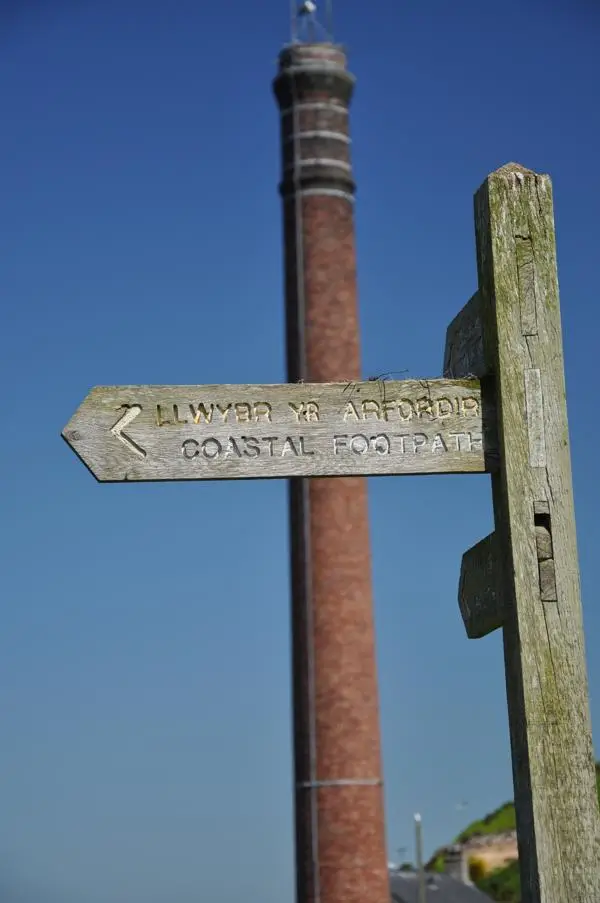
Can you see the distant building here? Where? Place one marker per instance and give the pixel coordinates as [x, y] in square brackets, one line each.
[451, 886]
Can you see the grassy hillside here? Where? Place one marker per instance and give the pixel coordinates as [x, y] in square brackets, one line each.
[503, 885]
[502, 819]
[498, 821]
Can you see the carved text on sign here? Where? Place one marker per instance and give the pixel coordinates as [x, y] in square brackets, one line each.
[289, 430]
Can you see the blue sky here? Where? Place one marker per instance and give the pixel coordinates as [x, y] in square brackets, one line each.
[144, 649]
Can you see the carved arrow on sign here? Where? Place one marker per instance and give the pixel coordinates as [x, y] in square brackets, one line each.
[131, 412]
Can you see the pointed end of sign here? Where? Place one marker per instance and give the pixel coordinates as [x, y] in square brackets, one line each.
[71, 432]
[96, 433]
[75, 438]
[72, 438]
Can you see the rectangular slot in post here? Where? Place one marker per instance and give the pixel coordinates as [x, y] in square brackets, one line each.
[545, 554]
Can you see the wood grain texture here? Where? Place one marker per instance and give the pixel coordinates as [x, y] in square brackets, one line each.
[553, 764]
[135, 433]
[463, 355]
[480, 596]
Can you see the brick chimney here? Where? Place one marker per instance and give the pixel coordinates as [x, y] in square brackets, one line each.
[339, 814]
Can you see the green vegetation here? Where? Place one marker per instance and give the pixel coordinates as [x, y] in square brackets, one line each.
[502, 819]
[502, 885]
[477, 869]
[436, 863]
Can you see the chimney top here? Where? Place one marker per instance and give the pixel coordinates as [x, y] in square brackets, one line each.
[313, 72]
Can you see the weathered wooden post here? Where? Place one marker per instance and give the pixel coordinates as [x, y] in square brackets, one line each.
[500, 409]
[525, 577]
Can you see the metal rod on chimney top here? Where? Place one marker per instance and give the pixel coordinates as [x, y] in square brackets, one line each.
[422, 890]
[329, 19]
[293, 21]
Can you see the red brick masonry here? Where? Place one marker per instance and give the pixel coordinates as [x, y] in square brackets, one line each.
[340, 836]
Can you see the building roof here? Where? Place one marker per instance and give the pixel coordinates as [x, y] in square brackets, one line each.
[440, 889]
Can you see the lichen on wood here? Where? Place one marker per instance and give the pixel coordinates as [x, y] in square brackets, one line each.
[553, 767]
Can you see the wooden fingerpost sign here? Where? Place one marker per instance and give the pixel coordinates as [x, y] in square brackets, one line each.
[152, 433]
[500, 409]
[524, 577]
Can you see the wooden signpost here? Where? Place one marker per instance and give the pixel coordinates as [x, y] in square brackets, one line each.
[525, 576]
[499, 409]
[305, 430]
